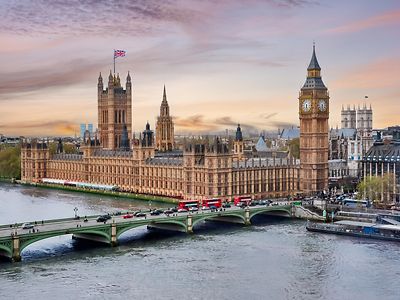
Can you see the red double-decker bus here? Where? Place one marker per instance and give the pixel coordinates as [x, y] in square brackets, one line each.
[186, 204]
[212, 202]
[240, 200]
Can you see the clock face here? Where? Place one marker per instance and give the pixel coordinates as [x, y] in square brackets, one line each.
[322, 105]
[306, 106]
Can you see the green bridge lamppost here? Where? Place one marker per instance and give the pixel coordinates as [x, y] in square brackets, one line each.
[76, 210]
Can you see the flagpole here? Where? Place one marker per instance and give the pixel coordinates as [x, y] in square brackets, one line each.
[114, 61]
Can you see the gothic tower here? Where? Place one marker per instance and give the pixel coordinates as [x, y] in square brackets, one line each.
[114, 111]
[238, 144]
[314, 115]
[165, 127]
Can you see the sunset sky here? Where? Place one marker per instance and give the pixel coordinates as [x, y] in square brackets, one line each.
[223, 62]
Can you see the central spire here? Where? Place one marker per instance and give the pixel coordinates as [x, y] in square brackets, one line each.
[314, 65]
[164, 95]
[314, 80]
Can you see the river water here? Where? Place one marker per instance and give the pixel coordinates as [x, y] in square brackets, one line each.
[273, 259]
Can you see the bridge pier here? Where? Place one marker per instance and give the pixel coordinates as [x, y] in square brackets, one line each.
[189, 224]
[114, 241]
[247, 216]
[16, 253]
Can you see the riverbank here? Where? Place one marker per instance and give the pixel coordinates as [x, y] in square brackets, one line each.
[104, 193]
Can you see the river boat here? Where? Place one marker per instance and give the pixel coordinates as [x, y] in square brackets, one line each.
[358, 229]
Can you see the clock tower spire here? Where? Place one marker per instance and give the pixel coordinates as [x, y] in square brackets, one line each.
[314, 115]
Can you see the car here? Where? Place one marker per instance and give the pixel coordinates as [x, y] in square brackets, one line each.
[205, 208]
[27, 226]
[174, 209]
[193, 208]
[154, 212]
[106, 217]
[182, 210]
[140, 214]
[101, 219]
[243, 205]
[127, 216]
[168, 211]
[226, 205]
[263, 202]
[118, 213]
[213, 207]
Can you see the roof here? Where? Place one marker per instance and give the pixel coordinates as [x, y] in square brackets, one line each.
[261, 145]
[345, 132]
[290, 133]
[314, 83]
[384, 152]
[365, 224]
[314, 65]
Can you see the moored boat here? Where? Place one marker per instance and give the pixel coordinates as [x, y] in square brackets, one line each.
[358, 229]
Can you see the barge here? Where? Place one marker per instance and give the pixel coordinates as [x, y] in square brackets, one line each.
[388, 232]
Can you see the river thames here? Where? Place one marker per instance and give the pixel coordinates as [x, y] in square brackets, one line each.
[273, 259]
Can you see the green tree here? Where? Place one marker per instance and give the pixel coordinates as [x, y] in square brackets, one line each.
[10, 162]
[377, 188]
[294, 147]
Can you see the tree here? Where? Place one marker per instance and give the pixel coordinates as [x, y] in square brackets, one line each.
[10, 162]
[294, 147]
[377, 188]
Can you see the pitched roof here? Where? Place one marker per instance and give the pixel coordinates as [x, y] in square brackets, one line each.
[314, 65]
[261, 145]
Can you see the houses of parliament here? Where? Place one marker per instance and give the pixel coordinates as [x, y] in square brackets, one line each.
[200, 168]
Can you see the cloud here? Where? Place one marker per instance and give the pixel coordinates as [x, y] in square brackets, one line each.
[267, 116]
[57, 74]
[379, 74]
[61, 127]
[194, 123]
[385, 19]
[118, 17]
[199, 124]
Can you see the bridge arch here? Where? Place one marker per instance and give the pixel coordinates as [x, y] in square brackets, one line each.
[5, 251]
[25, 242]
[125, 228]
[220, 218]
[283, 212]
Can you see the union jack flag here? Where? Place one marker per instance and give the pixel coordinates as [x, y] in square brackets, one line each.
[119, 53]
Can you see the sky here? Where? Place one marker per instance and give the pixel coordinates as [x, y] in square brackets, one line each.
[223, 62]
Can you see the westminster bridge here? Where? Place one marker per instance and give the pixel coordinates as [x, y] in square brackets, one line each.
[14, 239]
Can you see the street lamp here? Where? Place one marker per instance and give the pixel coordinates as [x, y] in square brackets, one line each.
[76, 210]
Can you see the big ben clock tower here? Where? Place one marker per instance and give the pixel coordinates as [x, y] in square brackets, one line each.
[314, 115]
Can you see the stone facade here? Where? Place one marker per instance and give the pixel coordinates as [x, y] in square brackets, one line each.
[314, 115]
[165, 127]
[114, 111]
[202, 169]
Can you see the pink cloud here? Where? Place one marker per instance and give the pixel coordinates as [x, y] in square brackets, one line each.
[382, 73]
[385, 19]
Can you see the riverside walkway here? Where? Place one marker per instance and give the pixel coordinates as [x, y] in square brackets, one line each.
[14, 239]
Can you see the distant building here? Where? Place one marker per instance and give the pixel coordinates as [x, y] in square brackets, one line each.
[352, 141]
[384, 158]
[290, 133]
[82, 130]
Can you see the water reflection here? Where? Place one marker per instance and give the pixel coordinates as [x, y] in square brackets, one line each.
[274, 259]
